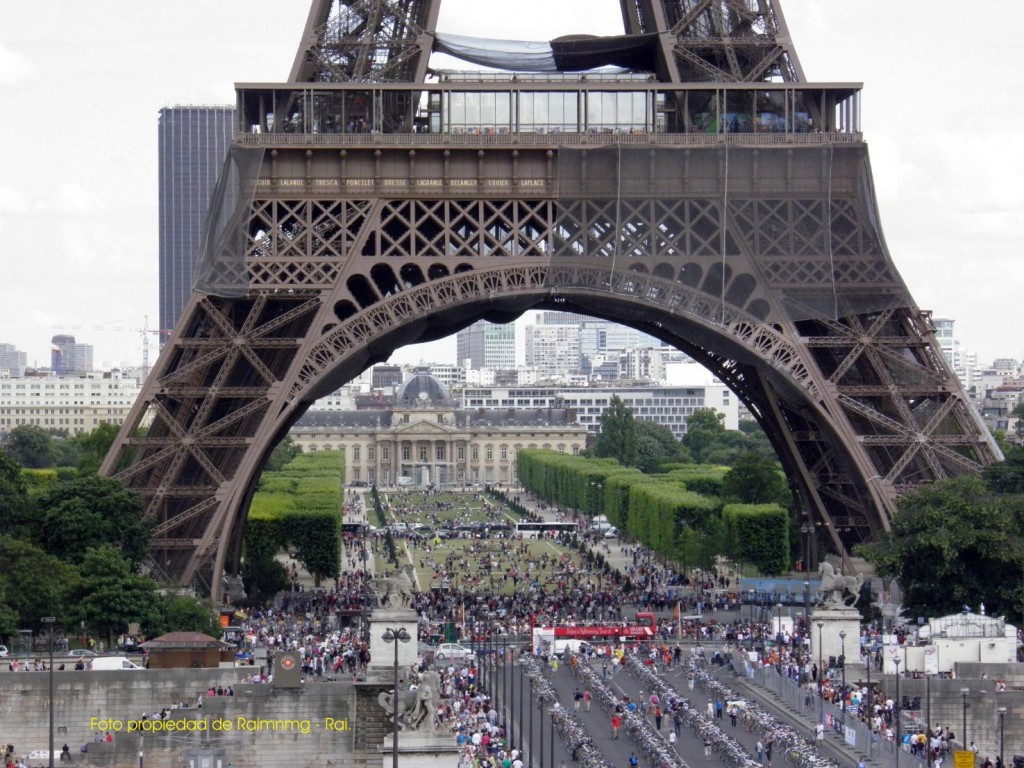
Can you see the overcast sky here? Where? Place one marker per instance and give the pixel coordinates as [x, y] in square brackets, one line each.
[82, 83]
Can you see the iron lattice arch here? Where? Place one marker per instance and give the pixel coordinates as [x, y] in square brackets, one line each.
[755, 251]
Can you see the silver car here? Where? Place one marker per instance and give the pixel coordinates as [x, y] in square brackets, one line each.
[453, 652]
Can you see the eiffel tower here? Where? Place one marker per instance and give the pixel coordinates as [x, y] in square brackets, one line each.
[681, 178]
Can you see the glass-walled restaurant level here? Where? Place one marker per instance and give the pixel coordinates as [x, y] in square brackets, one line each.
[580, 107]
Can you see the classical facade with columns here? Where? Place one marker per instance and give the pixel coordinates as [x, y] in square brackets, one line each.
[420, 436]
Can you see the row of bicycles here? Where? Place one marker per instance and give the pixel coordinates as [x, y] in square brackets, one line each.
[647, 740]
[731, 752]
[575, 737]
[797, 749]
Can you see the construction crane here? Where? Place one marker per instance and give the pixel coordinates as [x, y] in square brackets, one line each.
[145, 330]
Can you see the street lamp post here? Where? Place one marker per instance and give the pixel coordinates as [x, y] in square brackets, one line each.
[522, 721]
[963, 694]
[898, 710]
[551, 742]
[1002, 713]
[752, 593]
[530, 739]
[540, 721]
[871, 696]
[821, 676]
[507, 702]
[49, 621]
[928, 719]
[807, 605]
[807, 529]
[395, 636]
[842, 669]
[777, 629]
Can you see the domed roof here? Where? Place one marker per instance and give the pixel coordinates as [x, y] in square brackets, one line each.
[423, 389]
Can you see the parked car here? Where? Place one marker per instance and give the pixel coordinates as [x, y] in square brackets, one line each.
[453, 652]
[43, 754]
[81, 652]
[4, 653]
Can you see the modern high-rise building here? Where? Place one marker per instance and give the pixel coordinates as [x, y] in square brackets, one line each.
[553, 349]
[68, 356]
[487, 345]
[946, 336]
[12, 361]
[193, 143]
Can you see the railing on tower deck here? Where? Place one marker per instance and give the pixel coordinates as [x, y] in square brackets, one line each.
[547, 113]
[544, 139]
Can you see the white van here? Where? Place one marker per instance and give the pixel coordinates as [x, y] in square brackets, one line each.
[113, 662]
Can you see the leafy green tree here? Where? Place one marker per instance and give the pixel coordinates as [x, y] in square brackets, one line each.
[8, 616]
[705, 428]
[31, 447]
[953, 543]
[1008, 475]
[754, 479]
[92, 448]
[181, 613]
[88, 512]
[756, 441]
[110, 596]
[14, 504]
[618, 436]
[656, 445]
[282, 455]
[34, 583]
[263, 579]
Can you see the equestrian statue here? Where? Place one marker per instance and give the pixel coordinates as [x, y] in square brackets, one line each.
[417, 707]
[394, 591]
[837, 589]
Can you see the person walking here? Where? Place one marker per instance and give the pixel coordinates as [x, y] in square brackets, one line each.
[760, 752]
[768, 745]
[586, 700]
[672, 739]
[677, 723]
[577, 699]
[657, 717]
[633, 761]
[616, 724]
[707, 749]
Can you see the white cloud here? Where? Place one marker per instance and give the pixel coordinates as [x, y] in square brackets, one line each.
[12, 201]
[13, 66]
[73, 198]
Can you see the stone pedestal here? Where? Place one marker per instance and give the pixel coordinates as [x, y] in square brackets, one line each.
[382, 655]
[826, 641]
[423, 750]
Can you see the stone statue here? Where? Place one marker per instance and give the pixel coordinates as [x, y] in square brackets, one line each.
[890, 604]
[416, 709]
[234, 589]
[394, 591]
[837, 589]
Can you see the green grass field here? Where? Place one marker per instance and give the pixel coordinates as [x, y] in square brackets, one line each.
[486, 565]
[438, 509]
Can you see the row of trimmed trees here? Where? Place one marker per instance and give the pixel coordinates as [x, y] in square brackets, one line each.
[296, 508]
[681, 514]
